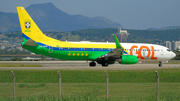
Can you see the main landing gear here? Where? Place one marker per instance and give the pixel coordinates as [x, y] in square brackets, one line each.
[92, 64]
[105, 64]
[160, 64]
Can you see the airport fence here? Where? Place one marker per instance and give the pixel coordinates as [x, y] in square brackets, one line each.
[89, 86]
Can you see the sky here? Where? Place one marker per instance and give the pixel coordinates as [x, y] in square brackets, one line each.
[131, 14]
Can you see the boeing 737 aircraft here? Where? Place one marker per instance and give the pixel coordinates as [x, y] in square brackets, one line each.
[96, 52]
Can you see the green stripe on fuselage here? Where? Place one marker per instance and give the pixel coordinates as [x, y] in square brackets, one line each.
[66, 54]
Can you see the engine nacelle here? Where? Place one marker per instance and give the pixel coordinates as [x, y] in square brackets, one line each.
[128, 59]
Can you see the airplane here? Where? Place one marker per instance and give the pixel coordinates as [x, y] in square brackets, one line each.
[97, 52]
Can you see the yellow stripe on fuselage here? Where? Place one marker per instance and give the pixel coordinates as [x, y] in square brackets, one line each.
[77, 44]
[81, 45]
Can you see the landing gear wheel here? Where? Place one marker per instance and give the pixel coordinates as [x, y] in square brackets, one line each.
[92, 64]
[105, 64]
[160, 64]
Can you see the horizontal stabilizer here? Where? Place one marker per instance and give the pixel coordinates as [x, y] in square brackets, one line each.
[30, 43]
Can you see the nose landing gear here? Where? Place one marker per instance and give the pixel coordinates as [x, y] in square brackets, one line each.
[160, 64]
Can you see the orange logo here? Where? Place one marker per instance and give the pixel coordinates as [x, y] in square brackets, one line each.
[142, 49]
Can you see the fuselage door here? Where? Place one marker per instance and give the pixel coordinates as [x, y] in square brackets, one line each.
[162, 51]
[50, 49]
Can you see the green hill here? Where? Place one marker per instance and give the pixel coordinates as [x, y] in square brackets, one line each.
[102, 35]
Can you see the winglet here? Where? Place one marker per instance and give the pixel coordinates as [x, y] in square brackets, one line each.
[117, 42]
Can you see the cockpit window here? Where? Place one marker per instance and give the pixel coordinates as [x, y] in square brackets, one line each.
[168, 50]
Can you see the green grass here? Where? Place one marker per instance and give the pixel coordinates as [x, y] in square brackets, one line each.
[94, 91]
[31, 85]
[20, 65]
[90, 76]
[173, 63]
[84, 85]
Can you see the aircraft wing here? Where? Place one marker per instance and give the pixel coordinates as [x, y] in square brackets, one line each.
[114, 54]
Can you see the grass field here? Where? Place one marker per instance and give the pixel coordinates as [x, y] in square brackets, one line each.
[91, 76]
[84, 85]
[19, 65]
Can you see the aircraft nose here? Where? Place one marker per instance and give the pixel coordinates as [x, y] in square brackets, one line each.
[173, 55]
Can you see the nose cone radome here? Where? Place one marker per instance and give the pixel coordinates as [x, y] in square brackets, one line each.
[173, 54]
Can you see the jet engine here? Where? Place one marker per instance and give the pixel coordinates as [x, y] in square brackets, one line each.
[128, 59]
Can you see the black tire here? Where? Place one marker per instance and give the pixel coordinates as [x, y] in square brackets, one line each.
[92, 64]
[105, 64]
[160, 64]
